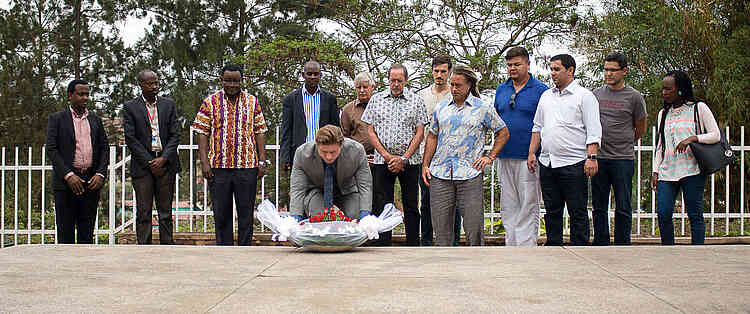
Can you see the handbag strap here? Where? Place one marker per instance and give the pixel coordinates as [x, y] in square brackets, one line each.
[697, 119]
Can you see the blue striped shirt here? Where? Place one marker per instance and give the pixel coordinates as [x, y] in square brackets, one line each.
[311, 103]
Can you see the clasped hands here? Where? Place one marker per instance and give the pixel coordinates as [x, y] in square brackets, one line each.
[156, 166]
[76, 184]
[395, 163]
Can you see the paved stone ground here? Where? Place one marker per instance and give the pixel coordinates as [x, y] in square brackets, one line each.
[190, 279]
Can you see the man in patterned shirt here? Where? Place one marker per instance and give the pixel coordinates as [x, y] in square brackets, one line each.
[432, 95]
[396, 120]
[455, 139]
[230, 125]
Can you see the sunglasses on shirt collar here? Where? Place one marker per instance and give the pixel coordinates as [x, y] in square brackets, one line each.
[513, 100]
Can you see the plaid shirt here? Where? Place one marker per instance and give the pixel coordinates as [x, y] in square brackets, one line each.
[231, 129]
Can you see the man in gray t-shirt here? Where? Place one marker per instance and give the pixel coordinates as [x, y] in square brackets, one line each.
[622, 113]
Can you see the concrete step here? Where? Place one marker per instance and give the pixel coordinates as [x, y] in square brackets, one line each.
[264, 239]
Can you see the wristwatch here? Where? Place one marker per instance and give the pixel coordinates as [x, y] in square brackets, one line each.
[591, 157]
[404, 160]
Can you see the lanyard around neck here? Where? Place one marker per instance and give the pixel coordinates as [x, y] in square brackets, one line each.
[148, 111]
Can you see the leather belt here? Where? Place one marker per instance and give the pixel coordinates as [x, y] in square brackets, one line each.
[81, 170]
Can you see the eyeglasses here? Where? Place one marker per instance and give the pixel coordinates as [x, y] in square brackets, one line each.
[513, 100]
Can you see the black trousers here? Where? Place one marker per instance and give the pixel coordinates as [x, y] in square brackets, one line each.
[76, 212]
[161, 189]
[242, 184]
[565, 186]
[383, 182]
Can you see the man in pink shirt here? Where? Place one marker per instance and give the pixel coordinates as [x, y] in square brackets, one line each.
[77, 149]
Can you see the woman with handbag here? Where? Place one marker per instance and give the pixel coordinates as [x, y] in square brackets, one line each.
[675, 166]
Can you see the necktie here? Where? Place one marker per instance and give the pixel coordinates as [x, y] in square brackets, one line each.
[328, 186]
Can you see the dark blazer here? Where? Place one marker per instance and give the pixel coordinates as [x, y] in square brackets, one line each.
[352, 174]
[137, 129]
[293, 127]
[61, 145]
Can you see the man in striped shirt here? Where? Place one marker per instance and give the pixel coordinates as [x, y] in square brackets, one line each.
[305, 111]
[231, 141]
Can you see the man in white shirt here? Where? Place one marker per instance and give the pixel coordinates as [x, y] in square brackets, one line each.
[567, 126]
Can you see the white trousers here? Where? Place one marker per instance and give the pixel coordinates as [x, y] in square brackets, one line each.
[519, 199]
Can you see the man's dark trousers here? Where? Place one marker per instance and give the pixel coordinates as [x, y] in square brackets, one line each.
[76, 212]
[617, 174]
[147, 189]
[561, 186]
[383, 182]
[242, 184]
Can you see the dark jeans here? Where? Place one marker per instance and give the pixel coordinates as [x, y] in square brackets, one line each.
[426, 218]
[383, 182]
[565, 186]
[76, 212]
[147, 189]
[692, 191]
[618, 176]
[242, 184]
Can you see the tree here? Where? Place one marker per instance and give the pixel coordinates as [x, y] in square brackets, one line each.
[707, 39]
[474, 32]
[699, 36]
[40, 53]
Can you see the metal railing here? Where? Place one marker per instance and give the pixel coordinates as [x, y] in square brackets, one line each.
[33, 220]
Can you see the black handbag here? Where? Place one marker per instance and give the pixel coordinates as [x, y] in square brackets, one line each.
[711, 157]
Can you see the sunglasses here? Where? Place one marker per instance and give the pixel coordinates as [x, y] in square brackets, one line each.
[513, 100]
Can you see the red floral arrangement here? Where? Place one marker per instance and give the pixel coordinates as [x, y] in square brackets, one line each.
[332, 213]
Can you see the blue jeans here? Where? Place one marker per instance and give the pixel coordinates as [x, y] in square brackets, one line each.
[692, 191]
[617, 175]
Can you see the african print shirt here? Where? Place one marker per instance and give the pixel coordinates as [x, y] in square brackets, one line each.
[231, 129]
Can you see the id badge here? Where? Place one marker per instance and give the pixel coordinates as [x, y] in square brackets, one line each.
[154, 142]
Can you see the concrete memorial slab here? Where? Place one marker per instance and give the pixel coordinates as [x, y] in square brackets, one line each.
[189, 279]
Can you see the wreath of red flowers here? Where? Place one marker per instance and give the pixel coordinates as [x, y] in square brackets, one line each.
[332, 213]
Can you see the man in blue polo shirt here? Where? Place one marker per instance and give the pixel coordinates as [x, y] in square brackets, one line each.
[516, 101]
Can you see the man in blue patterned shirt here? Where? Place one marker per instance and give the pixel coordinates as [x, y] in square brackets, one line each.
[453, 160]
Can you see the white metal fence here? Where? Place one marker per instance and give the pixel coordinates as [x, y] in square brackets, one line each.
[27, 214]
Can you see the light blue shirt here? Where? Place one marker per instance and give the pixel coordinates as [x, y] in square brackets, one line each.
[461, 133]
[311, 103]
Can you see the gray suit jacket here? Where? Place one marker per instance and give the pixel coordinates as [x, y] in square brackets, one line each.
[352, 174]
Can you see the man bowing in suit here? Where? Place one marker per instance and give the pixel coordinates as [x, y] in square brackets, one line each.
[332, 170]
[151, 133]
[77, 148]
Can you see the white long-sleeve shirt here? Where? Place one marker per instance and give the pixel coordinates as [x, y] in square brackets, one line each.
[568, 121]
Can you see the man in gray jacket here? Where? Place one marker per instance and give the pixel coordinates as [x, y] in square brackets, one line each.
[332, 170]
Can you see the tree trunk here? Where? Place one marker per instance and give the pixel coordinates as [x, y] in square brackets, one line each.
[77, 60]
